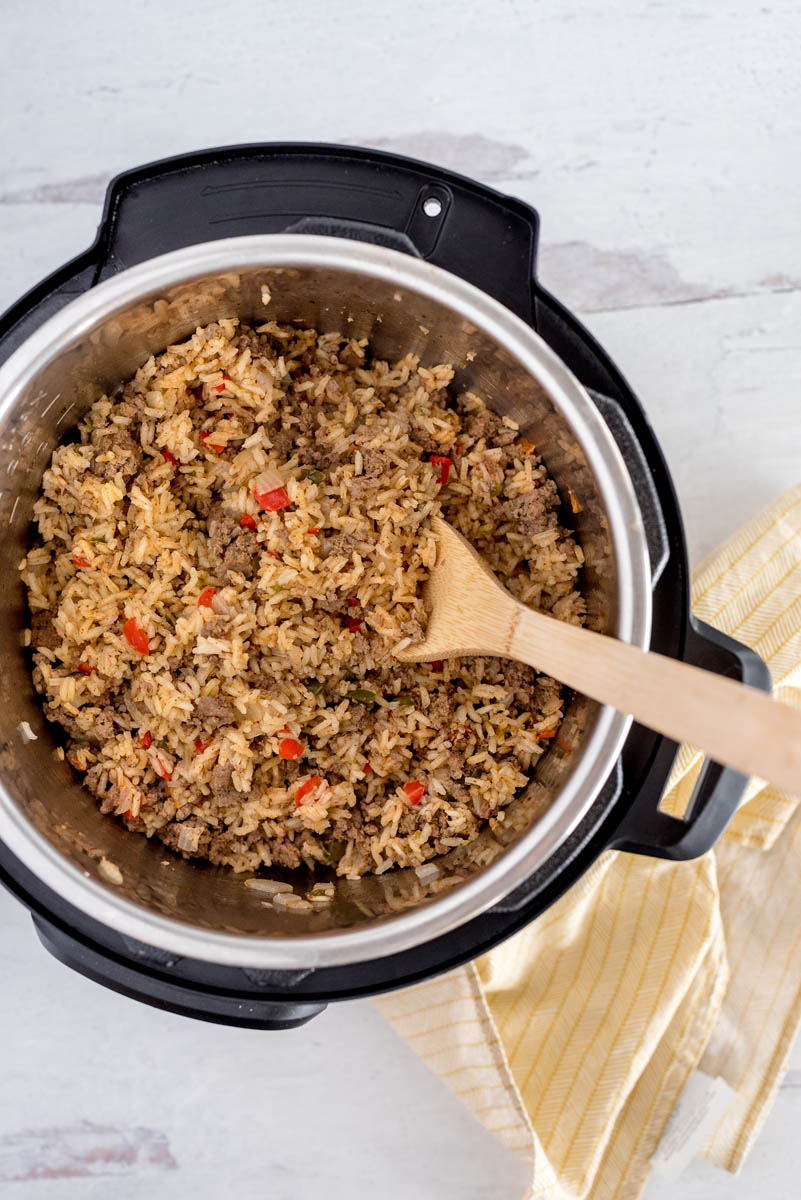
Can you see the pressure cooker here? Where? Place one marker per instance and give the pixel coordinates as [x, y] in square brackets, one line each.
[417, 260]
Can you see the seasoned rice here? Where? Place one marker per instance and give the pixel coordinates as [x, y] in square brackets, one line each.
[227, 557]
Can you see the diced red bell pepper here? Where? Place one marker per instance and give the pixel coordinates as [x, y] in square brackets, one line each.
[353, 602]
[206, 596]
[161, 768]
[219, 387]
[414, 791]
[80, 561]
[145, 739]
[289, 748]
[438, 664]
[314, 529]
[272, 501]
[85, 668]
[170, 457]
[215, 446]
[247, 521]
[307, 786]
[201, 746]
[546, 733]
[367, 769]
[353, 624]
[444, 464]
[135, 636]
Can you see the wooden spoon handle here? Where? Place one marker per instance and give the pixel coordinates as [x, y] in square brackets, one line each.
[735, 725]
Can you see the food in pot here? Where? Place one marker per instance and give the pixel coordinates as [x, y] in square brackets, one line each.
[227, 557]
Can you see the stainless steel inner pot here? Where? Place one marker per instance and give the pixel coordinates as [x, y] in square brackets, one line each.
[401, 304]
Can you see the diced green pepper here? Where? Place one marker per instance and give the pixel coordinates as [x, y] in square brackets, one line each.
[313, 473]
[405, 701]
[363, 695]
[334, 848]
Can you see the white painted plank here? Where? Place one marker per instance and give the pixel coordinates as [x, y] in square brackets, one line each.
[661, 142]
[330, 1109]
[721, 383]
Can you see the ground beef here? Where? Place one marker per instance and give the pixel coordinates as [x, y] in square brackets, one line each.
[43, 630]
[103, 726]
[482, 424]
[292, 771]
[362, 649]
[521, 681]
[309, 456]
[307, 421]
[330, 602]
[374, 465]
[440, 712]
[547, 694]
[389, 718]
[217, 627]
[222, 785]
[284, 854]
[241, 554]
[343, 543]
[534, 512]
[530, 689]
[212, 708]
[406, 675]
[454, 770]
[126, 456]
[223, 526]
[112, 799]
[351, 828]
[231, 548]
[412, 629]
[433, 445]
[54, 712]
[92, 777]
[282, 441]
[356, 714]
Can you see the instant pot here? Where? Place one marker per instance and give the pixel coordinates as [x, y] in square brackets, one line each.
[420, 260]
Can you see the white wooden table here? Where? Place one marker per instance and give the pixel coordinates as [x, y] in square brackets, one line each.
[662, 145]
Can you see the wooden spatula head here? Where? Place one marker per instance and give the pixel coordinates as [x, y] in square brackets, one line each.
[469, 612]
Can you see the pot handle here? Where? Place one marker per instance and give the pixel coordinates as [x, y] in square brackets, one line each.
[153, 987]
[719, 790]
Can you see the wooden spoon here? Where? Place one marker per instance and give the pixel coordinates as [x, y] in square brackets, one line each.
[469, 612]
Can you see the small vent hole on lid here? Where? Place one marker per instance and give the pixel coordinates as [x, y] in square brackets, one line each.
[432, 207]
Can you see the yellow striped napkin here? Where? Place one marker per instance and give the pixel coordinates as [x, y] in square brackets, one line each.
[573, 1040]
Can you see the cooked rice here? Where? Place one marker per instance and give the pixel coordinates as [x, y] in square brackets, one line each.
[142, 514]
